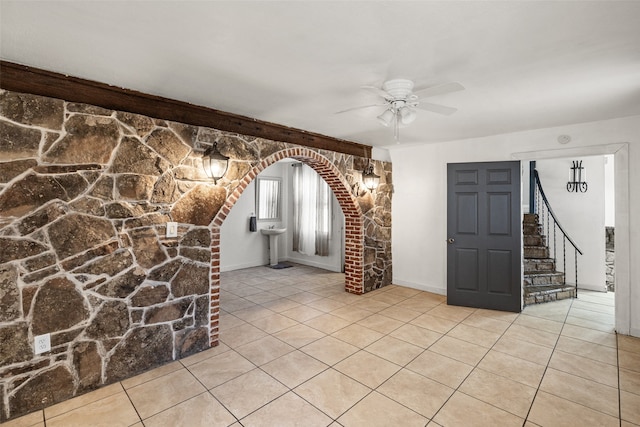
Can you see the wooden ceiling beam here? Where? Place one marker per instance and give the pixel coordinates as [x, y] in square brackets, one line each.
[21, 78]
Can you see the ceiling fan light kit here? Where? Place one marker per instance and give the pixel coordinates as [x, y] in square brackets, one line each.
[386, 118]
[407, 115]
[401, 102]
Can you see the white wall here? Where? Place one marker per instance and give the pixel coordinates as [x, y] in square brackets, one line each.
[241, 248]
[419, 204]
[380, 154]
[581, 215]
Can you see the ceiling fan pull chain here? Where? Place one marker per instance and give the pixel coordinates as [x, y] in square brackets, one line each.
[396, 126]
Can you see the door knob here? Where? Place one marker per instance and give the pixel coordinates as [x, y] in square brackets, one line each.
[450, 240]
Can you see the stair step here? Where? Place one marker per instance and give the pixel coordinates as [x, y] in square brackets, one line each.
[531, 229]
[543, 279]
[544, 294]
[536, 252]
[541, 282]
[535, 240]
[534, 265]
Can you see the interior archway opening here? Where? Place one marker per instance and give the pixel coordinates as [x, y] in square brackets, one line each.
[353, 234]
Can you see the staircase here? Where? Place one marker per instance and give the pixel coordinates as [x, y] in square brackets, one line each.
[542, 283]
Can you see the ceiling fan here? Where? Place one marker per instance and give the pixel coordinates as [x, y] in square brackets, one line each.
[401, 102]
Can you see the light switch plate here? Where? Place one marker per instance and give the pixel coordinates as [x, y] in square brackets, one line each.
[172, 229]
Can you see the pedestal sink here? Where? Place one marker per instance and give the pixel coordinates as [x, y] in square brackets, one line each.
[273, 234]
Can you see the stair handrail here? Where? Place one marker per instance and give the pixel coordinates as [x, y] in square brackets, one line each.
[553, 215]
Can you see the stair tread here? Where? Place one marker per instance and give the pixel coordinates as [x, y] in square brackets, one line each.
[537, 288]
[543, 273]
[548, 289]
[539, 273]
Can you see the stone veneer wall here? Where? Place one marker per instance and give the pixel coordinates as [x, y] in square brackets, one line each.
[85, 194]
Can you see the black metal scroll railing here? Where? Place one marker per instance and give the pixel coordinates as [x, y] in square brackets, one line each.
[547, 219]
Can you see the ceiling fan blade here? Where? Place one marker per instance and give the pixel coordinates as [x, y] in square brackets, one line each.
[439, 89]
[358, 108]
[436, 108]
[378, 92]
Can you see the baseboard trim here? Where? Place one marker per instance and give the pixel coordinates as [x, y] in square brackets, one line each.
[421, 287]
[328, 267]
[225, 268]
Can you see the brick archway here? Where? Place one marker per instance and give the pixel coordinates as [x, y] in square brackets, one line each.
[354, 229]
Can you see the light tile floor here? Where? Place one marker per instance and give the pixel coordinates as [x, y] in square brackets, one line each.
[296, 350]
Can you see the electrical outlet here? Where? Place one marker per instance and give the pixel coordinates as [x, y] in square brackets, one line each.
[42, 343]
[172, 229]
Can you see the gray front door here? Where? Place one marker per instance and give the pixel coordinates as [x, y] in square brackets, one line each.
[484, 235]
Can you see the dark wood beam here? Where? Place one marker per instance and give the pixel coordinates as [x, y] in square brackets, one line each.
[20, 78]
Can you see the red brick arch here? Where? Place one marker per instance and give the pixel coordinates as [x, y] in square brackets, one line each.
[354, 229]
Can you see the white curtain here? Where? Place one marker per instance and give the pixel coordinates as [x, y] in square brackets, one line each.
[311, 212]
[323, 217]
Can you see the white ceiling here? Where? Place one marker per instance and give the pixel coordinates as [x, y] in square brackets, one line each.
[524, 64]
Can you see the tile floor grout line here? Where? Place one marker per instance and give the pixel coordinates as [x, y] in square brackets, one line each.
[429, 419]
[476, 366]
[319, 409]
[582, 405]
[548, 362]
[581, 376]
[177, 403]
[230, 349]
[547, 367]
[443, 303]
[289, 388]
[131, 402]
[239, 420]
[332, 367]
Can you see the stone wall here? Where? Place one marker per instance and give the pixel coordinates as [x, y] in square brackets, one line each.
[85, 194]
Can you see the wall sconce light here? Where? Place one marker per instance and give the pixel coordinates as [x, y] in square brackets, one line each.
[577, 184]
[215, 164]
[370, 179]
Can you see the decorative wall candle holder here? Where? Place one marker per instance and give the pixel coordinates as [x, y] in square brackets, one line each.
[577, 175]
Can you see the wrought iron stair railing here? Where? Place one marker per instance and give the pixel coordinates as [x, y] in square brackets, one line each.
[539, 204]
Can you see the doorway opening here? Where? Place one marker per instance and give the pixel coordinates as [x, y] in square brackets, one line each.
[574, 246]
[620, 154]
[353, 228]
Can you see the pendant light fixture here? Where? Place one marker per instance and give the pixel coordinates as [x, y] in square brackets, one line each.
[215, 163]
